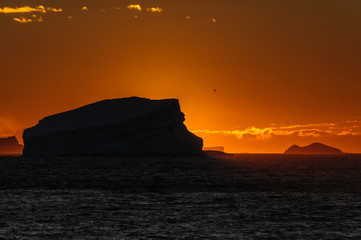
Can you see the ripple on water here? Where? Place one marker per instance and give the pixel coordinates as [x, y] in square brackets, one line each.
[80, 214]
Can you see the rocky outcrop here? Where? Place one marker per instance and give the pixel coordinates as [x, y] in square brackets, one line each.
[131, 126]
[218, 149]
[314, 148]
[10, 145]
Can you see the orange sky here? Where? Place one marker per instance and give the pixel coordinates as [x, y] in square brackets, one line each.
[285, 71]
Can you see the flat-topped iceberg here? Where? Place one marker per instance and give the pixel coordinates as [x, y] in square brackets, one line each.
[131, 126]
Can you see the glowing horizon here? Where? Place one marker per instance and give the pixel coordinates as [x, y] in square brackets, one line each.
[252, 76]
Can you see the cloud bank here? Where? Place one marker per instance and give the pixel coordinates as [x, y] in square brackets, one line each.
[347, 128]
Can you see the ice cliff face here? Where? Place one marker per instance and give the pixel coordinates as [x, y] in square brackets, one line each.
[132, 126]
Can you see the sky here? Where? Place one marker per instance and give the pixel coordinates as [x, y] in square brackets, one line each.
[252, 76]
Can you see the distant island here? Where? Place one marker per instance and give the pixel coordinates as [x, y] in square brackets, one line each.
[314, 148]
[10, 145]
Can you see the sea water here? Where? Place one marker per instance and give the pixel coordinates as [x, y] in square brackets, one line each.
[219, 197]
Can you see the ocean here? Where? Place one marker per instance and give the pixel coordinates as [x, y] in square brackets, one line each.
[219, 196]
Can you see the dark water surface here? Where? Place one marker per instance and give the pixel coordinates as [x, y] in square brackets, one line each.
[218, 197]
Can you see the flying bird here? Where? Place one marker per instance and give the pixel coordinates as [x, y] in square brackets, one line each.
[214, 90]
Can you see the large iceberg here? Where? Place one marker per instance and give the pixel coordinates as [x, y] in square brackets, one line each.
[130, 126]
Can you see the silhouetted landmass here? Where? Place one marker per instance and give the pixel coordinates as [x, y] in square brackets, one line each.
[218, 149]
[130, 126]
[314, 148]
[10, 145]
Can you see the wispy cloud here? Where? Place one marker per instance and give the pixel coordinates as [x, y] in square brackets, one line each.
[27, 9]
[150, 9]
[155, 9]
[135, 7]
[23, 20]
[24, 9]
[347, 128]
[28, 20]
[51, 9]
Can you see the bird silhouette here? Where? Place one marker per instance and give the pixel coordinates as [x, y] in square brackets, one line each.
[214, 90]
